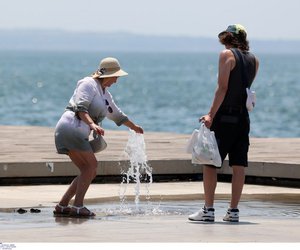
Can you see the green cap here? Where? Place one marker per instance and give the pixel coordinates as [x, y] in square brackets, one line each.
[235, 29]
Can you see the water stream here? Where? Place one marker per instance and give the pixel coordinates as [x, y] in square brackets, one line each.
[138, 171]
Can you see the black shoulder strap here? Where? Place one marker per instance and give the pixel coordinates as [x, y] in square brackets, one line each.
[242, 66]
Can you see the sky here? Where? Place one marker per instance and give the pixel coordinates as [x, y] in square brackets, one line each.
[263, 19]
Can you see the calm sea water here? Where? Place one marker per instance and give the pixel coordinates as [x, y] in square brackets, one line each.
[163, 91]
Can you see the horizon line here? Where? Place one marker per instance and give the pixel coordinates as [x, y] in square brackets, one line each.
[124, 32]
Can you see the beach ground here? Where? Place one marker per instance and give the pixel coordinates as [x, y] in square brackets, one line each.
[114, 226]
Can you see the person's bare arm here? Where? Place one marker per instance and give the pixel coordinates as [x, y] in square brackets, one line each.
[226, 64]
[84, 116]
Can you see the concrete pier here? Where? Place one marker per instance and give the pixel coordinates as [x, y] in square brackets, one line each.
[30, 152]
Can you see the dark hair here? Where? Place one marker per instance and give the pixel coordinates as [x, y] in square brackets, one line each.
[237, 41]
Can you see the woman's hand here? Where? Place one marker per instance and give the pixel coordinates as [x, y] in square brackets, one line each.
[97, 129]
[138, 129]
[84, 116]
[134, 127]
[207, 120]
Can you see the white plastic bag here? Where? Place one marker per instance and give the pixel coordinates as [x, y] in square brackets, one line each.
[205, 150]
[191, 142]
[251, 99]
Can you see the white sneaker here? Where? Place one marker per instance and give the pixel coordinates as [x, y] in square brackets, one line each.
[205, 214]
[232, 215]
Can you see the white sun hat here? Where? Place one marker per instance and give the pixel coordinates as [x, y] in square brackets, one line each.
[109, 67]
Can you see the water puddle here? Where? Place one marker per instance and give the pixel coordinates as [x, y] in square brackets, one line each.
[249, 210]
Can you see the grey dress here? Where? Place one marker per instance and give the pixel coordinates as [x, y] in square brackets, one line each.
[71, 133]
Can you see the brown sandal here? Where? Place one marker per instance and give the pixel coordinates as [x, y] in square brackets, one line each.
[61, 211]
[75, 212]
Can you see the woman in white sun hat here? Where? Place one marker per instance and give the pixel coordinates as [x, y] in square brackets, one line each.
[89, 105]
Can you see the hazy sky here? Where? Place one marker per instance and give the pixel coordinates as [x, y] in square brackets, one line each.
[263, 19]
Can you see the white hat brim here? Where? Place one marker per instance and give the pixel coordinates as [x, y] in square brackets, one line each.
[113, 74]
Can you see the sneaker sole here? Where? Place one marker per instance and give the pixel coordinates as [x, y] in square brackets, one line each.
[205, 220]
[232, 220]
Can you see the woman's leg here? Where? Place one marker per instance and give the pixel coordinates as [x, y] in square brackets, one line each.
[65, 200]
[238, 179]
[209, 184]
[87, 164]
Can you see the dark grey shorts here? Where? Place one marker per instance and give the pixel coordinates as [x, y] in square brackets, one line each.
[71, 134]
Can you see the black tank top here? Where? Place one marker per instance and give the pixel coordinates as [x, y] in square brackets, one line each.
[236, 93]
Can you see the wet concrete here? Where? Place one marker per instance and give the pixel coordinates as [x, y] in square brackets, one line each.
[145, 228]
[268, 214]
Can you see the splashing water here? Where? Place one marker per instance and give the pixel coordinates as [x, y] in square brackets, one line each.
[138, 169]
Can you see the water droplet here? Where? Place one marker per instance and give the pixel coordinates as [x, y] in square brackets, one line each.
[34, 100]
[39, 84]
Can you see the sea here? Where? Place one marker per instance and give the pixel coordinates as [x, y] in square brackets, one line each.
[164, 92]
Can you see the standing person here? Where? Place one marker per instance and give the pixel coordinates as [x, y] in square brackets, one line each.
[229, 119]
[89, 105]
